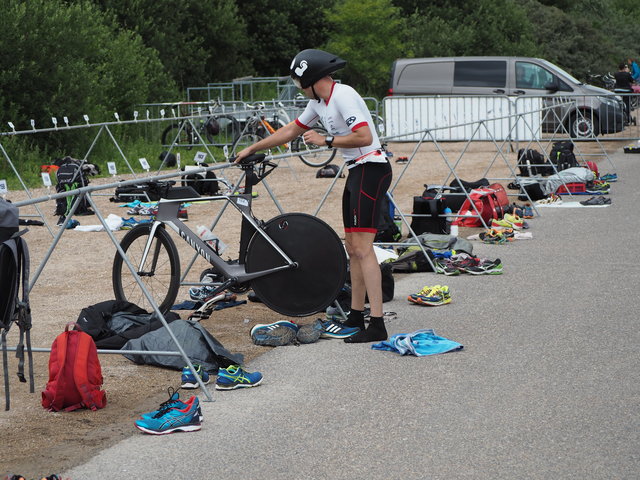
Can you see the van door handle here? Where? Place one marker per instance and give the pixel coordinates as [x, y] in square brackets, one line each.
[519, 92]
[498, 90]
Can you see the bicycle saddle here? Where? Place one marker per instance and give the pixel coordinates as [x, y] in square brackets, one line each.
[175, 193]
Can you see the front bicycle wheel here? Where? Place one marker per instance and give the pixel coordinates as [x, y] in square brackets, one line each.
[160, 272]
[308, 156]
[319, 276]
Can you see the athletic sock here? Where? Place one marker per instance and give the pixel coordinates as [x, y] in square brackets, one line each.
[375, 332]
[355, 318]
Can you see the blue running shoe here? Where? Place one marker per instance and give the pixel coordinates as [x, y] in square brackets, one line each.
[609, 177]
[173, 402]
[271, 326]
[201, 293]
[235, 376]
[189, 380]
[186, 419]
[335, 329]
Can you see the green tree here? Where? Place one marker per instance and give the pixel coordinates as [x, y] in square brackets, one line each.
[69, 59]
[197, 41]
[368, 34]
[279, 29]
[482, 27]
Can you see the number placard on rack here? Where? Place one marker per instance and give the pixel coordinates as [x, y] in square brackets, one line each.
[3, 187]
[178, 160]
[111, 166]
[144, 164]
[200, 157]
[46, 179]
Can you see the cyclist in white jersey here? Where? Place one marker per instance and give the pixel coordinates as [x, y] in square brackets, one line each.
[351, 130]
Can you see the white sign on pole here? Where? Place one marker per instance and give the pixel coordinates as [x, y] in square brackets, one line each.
[144, 164]
[111, 166]
[200, 157]
[46, 179]
[3, 187]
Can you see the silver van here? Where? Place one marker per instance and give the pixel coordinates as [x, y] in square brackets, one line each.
[590, 111]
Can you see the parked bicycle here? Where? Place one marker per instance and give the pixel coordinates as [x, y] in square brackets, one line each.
[257, 127]
[295, 263]
[217, 130]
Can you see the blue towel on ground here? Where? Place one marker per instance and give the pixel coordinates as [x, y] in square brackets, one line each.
[419, 343]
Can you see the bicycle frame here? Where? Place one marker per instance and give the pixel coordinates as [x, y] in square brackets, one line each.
[236, 274]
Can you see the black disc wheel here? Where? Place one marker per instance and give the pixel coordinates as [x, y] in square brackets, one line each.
[321, 270]
[160, 272]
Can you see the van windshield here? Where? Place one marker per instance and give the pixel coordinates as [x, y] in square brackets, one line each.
[562, 72]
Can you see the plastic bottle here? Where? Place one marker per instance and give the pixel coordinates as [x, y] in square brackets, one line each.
[447, 213]
[211, 238]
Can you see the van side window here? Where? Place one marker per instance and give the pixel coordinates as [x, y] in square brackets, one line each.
[532, 76]
[480, 74]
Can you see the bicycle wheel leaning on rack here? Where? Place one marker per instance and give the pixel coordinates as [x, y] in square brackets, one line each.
[222, 130]
[308, 156]
[160, 274]
[179, 135]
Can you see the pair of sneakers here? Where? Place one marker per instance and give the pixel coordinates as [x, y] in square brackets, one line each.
[431, 296]
[173, 415]
[284, 332]
[229, 378]
[510, 220]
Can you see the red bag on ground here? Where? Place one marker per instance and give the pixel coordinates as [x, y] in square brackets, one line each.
[75, 376]
[490, 202]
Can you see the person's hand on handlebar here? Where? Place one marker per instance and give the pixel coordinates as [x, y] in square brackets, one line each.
[244, 153]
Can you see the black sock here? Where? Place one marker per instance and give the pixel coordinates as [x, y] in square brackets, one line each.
[355, 319]
[375, 332]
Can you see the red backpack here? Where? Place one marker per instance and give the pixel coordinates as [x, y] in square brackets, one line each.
[490, 202]
[75, 376]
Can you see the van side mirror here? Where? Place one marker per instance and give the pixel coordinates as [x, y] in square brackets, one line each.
[551, 86]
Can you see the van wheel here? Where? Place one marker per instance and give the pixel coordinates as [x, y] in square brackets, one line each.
[584, 125]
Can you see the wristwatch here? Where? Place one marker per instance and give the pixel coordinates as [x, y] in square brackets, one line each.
[329, 141]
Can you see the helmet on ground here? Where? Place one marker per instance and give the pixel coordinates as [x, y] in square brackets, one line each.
[311, 65]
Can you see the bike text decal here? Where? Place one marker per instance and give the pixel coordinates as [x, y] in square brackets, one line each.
[201, 251]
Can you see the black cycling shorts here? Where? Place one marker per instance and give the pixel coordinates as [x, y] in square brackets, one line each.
[365, 187]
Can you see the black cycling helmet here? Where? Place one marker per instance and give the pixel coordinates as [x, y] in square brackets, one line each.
[311, 65]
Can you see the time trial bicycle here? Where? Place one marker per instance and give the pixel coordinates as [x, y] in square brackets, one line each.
[295, 263]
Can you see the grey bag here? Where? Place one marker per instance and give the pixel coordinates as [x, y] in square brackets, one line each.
[199, 345]
[443, 242]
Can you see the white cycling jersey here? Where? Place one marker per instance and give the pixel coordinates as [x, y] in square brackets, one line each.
[344, 112]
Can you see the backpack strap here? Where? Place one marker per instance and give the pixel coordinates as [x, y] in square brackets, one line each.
[23, 314]
[90, 398]
[7, 401]
[61, 350]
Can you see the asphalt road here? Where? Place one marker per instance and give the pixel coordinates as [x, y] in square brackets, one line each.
[546, 387]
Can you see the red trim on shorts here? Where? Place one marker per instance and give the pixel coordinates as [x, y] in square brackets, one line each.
[361, 229]
[359, 125]
[301, 125]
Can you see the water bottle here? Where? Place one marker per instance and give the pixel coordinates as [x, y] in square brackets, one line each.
[447, 213]
[211, 238]
[452, 228]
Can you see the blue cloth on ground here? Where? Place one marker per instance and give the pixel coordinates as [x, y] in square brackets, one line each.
[419, 343]
[187, 305]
